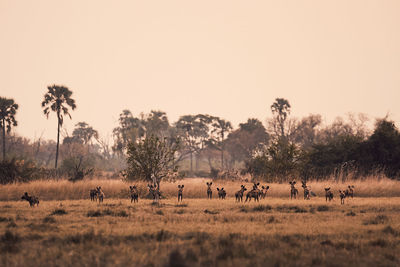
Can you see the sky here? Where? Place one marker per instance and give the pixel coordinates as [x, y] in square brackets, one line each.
[225, 58]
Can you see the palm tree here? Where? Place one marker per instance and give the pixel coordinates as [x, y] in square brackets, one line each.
[57, 99]
[281, 109]
[8, 109]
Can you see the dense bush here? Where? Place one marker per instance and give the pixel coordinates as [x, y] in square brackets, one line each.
[19, 171]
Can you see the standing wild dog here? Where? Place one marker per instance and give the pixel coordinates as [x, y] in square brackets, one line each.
[100, 194]
[254, 193]
[306, 190]
[221, 193]
[263, 191]
[328, 194]
[134, 194]
[180, 192]
[93, 194]
[31, 199]
[239, 194]
[209, 190]
[349, 191]
[293, 190]
[342, 196]
[153, 191]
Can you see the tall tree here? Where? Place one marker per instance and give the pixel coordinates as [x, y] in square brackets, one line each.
[245, 141]
[157, 124]
[58, 99]
[8, 109]
[220, 129]
[193, 130]
[280, 110]
[129, 130]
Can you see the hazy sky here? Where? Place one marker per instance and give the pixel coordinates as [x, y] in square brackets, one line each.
[225, 58]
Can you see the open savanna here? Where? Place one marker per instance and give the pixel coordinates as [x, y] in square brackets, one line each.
[194, 188]
[68, 229]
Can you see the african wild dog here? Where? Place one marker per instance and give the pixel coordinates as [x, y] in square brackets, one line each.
[239, 194]
[100, 194]
[342, 196]
[153, 191]
[293, 190]
[93, 194]
[221, 193]
[209, 190]
[31, 199]
[349, 191]
[328, 194]
[263, 191]
[254, 193]
[180, 192]
[306, 190]
[134, 194]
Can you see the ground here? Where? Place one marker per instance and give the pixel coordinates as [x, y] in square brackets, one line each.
[200, 232]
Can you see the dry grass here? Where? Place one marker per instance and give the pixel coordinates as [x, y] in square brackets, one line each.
[194, 188]
[200, 232]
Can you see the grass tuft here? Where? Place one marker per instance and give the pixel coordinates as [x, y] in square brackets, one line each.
[351, 213]
[94, 213]
[59, 212]
[380, 219]
[49, 219]
[262, 208]
[211, 212]
[322, 208]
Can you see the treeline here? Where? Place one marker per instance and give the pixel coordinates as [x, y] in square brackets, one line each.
[281, 149]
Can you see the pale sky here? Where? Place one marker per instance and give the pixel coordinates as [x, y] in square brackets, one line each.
[225, 58]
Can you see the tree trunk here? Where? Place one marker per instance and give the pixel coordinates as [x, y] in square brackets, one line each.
[58, 140]
[157, 199]
[197, 162]
[209, 162]
[4, 139]
[191, 162]
[222, 158]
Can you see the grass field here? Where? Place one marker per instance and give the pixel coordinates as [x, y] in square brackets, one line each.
[276, 231]
[194, 188]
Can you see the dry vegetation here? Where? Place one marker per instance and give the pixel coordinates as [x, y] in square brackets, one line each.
[194, 188]
[198, 232]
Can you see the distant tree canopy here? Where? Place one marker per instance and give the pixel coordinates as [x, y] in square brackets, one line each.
[84, 133]
[280, 149]
[8, 110]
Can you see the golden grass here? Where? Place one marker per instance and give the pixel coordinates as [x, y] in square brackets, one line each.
[201, 232]
[194, 188]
